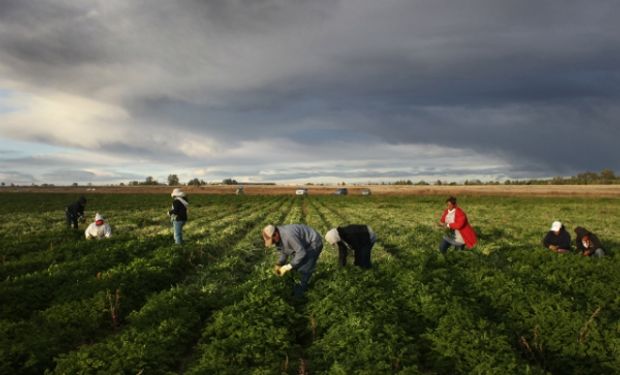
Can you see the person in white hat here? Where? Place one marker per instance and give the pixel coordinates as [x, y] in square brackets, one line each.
[98, 229]
[178, 214]
[557, 239]
[299, 242]
[358, 237]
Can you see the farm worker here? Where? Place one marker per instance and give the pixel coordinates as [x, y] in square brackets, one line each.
[360, 238]
[99, 229]
[461, 233]
[588, 243]
[75, 212]
[557, 239]
[178, 214]
[300, 242]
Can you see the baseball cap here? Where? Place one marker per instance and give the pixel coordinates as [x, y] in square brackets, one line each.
[268, 232]
[556, 226]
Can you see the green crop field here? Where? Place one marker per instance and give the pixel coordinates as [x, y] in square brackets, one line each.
[137, 304]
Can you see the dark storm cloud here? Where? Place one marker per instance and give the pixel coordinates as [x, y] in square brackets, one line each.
[533, 83]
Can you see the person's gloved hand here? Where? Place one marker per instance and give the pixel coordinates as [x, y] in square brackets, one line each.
[284, 269]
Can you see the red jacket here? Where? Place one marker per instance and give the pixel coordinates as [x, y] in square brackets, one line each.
[460, 223]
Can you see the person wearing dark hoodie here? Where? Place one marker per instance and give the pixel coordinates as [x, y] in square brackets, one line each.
[588, 243]
[178, 214]
[75, 212]
[557, 239]
[358, 237]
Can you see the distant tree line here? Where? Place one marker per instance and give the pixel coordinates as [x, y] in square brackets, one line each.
[605, 177]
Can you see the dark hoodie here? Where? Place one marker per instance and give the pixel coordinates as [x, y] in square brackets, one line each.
[561, 240]
[179, 209]
[595, 243]
[76, 209]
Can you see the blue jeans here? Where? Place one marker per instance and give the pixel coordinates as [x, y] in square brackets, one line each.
[446, 242]
[300, 289]
[305, 272]
[178, 231]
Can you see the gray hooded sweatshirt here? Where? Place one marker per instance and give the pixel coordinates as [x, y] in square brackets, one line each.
[302, 243]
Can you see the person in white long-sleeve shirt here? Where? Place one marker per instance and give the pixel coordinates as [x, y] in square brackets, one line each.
[99, 229]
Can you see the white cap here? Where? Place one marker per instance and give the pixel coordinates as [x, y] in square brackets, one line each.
[332, 236]
[98, 216]
[556, 226]
[177, 193]
[268, 232]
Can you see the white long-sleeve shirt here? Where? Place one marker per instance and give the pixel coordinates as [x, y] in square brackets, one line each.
[98, 231]
[450, 217]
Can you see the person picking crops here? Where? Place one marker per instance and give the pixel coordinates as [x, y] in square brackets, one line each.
[98, 229]
[360, 238]
[178, 214]
[461, 233]
[75, 212]
[301, 244]
[557, 239]
[588, 243]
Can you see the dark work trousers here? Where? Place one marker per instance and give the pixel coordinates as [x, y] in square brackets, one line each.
[361, 256]
[72, 219]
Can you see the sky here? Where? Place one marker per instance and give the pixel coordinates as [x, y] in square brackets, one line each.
[291, 91]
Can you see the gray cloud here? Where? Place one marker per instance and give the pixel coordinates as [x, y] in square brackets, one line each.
[533, 84]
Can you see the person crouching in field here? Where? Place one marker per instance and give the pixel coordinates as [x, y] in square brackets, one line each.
[360, 238]
[178, 214]
[99, 229]
[75, 212]
[588, 243]
[300, 242]
[461, 233]
[557, 239]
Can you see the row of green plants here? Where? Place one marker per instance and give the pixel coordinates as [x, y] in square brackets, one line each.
[121, 289]
[158, 338]
[474, 313]
[507, 306]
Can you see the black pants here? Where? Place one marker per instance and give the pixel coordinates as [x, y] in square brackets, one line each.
[361, 256]
[72, 219]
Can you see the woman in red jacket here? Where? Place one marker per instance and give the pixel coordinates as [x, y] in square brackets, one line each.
[462, 234]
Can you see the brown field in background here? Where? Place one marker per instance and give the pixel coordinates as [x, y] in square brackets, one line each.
[497, 190]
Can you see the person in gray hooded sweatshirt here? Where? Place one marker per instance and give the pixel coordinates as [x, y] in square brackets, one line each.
[299, 242]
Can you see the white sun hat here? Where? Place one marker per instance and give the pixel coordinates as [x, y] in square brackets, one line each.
[177, 193]
[332, 236]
